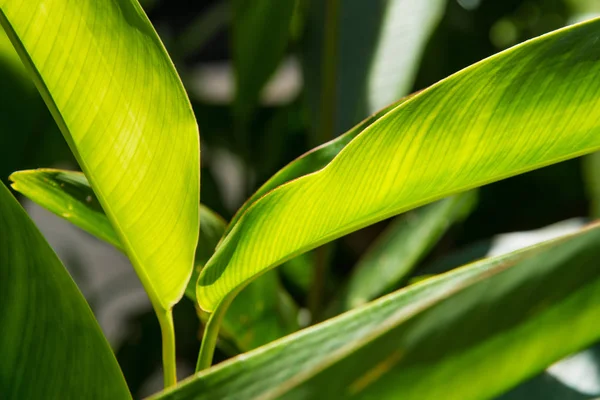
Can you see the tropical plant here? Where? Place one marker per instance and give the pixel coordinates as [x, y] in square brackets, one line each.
[468, 333]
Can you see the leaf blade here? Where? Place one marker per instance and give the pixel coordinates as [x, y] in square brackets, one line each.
[472, 133]
[430, 339]
[44, 313]
[118, 125]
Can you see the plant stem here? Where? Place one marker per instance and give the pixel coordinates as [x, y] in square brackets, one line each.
[211, 333]
[167, 330]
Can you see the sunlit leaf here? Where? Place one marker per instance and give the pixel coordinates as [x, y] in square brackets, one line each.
[51, 344]
[530, 106]
[309, 162]
[119, 103]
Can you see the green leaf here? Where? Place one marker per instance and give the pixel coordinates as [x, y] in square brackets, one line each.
[23, 111]
[256, 317]
[310, 162]
[260, 36]
[397, 251]
[530, 106]
[112, 89]
[376, 64]
[469, 334]
[574, 378]
[68, 195]
[51, 344]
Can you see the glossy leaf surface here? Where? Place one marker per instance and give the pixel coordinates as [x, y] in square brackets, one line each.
[261, 313]
[119, 103]
[51, 345]
[471, 333]
[530, 106]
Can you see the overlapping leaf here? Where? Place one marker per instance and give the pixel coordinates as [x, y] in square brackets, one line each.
[51, 344]
[257, 316]
[530, 106]
[469, 334]
[118, 101]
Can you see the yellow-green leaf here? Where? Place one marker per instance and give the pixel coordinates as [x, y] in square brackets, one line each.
[527, 107]
[119, 103]
[50, 342]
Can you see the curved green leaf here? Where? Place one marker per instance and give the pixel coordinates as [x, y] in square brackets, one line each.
[51, 344]
[530, 106]
[117, 99]
[260, 314]
[310, 162]
[468, 334]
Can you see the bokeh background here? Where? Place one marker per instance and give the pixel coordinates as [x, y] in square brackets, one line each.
[242, 148]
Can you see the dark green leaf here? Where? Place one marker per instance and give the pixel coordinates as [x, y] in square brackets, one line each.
[469, 334]
[50, 342]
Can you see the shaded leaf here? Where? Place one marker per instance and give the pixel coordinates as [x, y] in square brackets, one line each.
[469, 334]
[51, 345]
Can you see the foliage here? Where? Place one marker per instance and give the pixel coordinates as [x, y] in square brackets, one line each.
[401, 322]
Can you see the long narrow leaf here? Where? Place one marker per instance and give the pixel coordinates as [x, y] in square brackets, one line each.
[50, 342]
[530, 106]
[119, 103]
[469, 334]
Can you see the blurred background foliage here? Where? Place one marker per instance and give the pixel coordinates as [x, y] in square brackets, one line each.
[264, 94]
